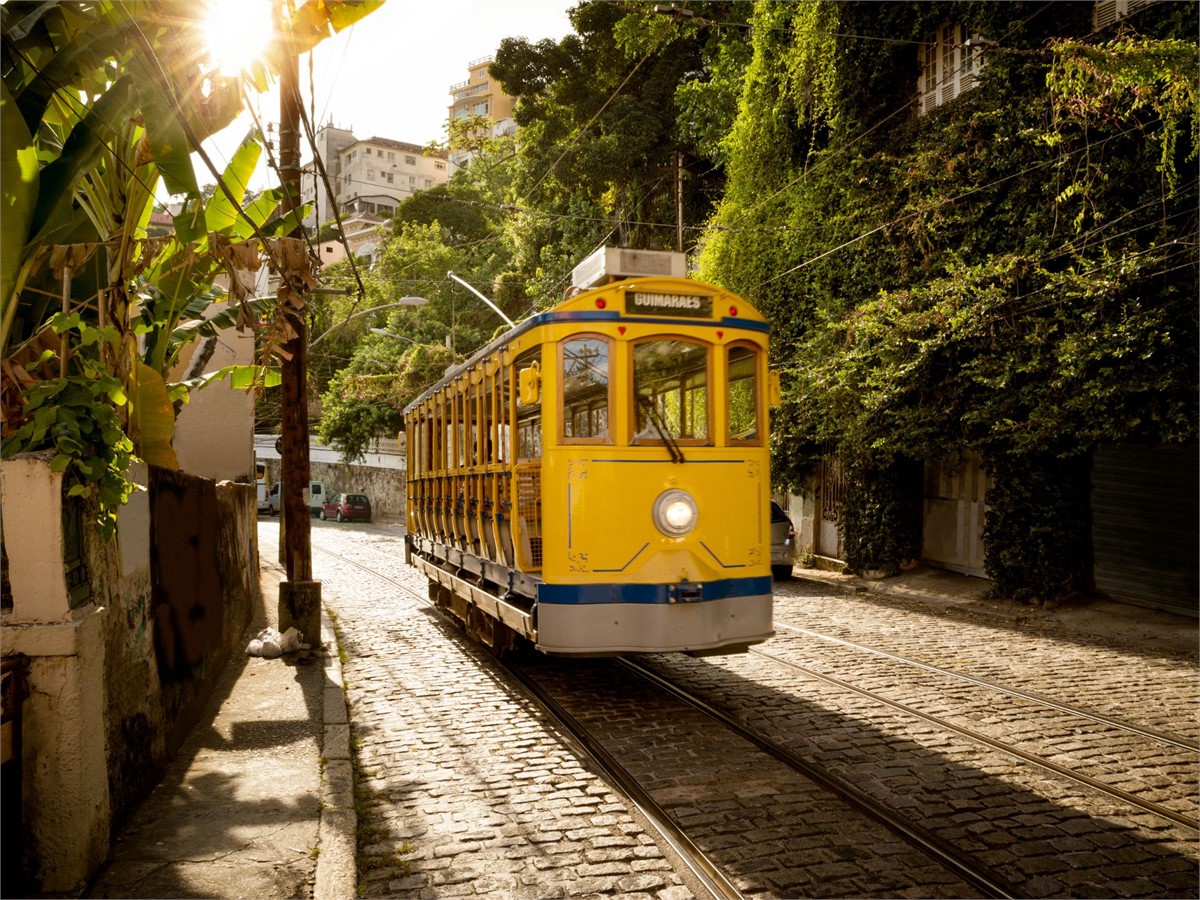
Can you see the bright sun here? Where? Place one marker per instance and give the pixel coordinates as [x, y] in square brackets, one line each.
[236, 32]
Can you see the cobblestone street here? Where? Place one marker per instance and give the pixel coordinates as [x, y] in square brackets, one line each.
[466, 787]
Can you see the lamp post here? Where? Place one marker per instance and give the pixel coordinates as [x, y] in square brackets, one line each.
[299, 594]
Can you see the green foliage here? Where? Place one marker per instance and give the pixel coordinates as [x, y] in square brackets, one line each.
[75, 415]
[882, 515]
[1037, 525]
[1126, 77]
[974, 278]
[101, 100]
[602, 114]
[360, 407]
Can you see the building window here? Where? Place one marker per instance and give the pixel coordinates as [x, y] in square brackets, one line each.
[410, 160]
[412, 179]
[480, 109]
[370, 174]
[441, 166]
[428, 183]
[389, 177]
[1105, 12]
[950, 65]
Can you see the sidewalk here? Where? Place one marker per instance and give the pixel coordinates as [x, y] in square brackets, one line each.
[259, 801]
[951, 594]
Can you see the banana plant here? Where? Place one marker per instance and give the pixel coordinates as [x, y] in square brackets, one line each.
[98, 102]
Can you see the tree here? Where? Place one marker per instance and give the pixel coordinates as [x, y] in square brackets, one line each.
[602, 115]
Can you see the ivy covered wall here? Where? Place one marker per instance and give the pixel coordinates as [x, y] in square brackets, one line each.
[1013, 272]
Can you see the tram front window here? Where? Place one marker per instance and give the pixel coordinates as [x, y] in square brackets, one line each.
[585, 388]
[743, 394]
[670, 383]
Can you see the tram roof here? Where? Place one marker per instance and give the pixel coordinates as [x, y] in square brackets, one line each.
[583, 306]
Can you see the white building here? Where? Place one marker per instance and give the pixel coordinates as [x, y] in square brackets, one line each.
[365, 233]
[366, 176]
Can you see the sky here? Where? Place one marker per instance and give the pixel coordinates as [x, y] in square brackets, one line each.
[390, 74]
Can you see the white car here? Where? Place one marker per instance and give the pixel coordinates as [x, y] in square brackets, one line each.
[783, 543]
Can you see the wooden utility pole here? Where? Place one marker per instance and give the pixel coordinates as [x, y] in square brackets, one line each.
[677, 159]
[299, 596]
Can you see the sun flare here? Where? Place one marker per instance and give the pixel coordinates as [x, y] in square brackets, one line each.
[236, 32]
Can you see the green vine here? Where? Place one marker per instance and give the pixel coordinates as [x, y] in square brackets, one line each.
[1036, 526]
[1012, 273]
[77, 416]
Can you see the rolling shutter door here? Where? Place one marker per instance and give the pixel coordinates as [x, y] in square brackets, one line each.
[1145, 535]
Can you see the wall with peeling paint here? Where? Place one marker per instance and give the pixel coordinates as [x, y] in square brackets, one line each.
[117, 680]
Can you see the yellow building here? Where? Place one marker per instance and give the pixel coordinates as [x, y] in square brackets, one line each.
[480, 95]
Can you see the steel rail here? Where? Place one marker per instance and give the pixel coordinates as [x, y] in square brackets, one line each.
[705, 871]
[1042, 762]
[941, 851]
[1100, 718]
[693, 857]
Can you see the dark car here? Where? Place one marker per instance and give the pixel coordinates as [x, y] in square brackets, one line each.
[783, 543]
[347, 506]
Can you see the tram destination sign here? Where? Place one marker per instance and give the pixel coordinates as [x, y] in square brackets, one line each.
[685, 306]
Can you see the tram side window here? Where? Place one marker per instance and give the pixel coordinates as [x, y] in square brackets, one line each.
[670, 383]
[441, 433]
[585, 380]
[488, 432]
[460, 437]
[472, 425]
[529, 417]
[503, 432]
[744, 413]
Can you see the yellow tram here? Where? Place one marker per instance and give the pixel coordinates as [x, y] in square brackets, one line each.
[596, 480]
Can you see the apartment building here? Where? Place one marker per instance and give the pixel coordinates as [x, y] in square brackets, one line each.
[480, 95]
[366, 176]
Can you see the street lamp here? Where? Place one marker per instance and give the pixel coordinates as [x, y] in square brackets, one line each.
[511, 323]
[403, 301]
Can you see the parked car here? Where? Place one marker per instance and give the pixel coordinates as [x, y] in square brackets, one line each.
[273, 501]
[783, 543]
[347, 506]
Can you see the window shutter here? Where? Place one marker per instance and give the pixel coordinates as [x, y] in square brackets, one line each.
[1106, 12]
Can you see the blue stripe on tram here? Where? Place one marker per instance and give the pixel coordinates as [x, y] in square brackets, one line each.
[651, 593]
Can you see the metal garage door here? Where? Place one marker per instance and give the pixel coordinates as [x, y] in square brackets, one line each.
[1145, 536]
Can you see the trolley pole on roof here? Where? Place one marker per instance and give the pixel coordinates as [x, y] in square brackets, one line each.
[299, 595]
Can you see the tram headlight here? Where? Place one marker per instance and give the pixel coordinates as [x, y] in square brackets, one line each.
[675, 513]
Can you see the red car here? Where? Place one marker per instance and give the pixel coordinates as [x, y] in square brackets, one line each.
[347, 506]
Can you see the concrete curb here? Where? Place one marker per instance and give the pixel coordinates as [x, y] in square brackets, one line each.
[337, 871]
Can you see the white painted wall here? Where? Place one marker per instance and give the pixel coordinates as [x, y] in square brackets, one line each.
[65, 792]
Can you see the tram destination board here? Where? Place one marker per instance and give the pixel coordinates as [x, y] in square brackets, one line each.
[688, 306]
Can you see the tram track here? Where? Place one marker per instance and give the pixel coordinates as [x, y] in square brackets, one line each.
[703, 870]
[977, 736]
[1030, 696]
[935, 842]
[990, 883]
